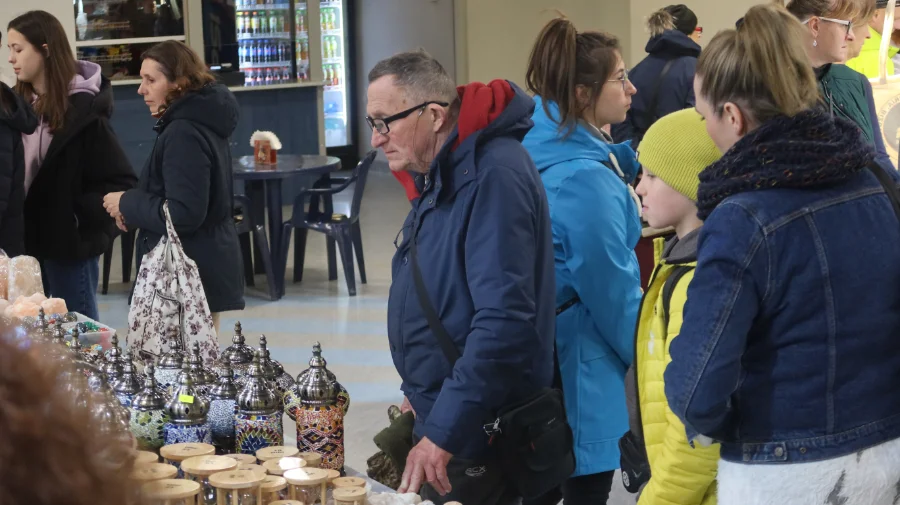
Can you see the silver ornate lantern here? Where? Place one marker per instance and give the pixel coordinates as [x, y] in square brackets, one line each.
[222, 407]
[239, 356]
[128, 385]
[202, 380]
[292, 396]
[170, 365]
[113, 366]
[187, 412]
[320, 420]
[148, 413]
[257, 423]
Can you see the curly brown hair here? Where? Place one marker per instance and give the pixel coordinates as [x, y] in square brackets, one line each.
[181, 66]
[51, 449]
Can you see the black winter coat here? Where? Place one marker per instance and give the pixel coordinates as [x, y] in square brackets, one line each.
[64, 214]
[190, 167]
[676, 90]
[16, 118]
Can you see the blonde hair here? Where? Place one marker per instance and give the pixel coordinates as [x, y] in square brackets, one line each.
[659, 22]
[865, 12]
[761, 66]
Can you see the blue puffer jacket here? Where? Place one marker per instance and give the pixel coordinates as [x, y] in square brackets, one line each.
[486, 254]
[676, 91]
[595, 229]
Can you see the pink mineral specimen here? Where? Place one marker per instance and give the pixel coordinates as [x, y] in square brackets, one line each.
[54, 306]
[24, 277]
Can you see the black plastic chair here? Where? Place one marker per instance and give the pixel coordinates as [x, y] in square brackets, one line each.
[343, 230]
[244, 225]
[127, 259]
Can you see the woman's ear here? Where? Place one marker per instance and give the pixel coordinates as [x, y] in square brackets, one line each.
[735, 119]
[813, 25]
[46, 49]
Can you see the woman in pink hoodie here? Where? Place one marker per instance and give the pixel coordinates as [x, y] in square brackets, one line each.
[72, 160]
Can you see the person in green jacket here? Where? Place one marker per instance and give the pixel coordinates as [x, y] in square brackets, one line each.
[845, 92]
[866, 61]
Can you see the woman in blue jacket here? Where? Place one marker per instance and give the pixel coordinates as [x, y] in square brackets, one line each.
[581, 84]
[665, 78]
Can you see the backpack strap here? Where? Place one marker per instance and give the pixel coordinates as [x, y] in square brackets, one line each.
[669, 289]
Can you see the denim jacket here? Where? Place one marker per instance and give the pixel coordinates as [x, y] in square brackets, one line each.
[790, 347]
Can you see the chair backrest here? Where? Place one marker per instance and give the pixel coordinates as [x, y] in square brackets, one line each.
[362, 173]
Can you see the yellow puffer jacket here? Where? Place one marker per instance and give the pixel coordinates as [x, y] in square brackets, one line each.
[679, 474]
[868, 60]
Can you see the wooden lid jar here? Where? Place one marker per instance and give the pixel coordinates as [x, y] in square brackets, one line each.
[144, 458]
[254, 468]
[313, 459]
[273, 488]
[282, 465]
[307, 484]
[243, 459]
[237, 487]
[356, 482]
[350, 496]
[199, 468]
[170, 492]
[176, 453]
[286, 502]
[276, 452]
[150, 472]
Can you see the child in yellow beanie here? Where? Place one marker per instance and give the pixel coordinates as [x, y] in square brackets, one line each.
[673, 153]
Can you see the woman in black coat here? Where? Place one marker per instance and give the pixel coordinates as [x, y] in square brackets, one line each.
[190, 168]
[16, 119]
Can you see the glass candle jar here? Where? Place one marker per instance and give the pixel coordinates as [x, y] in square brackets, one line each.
[176, 453]
[170, 492]
[273, 488]
[350, 496]
[280, 466]
[243, 459]
[308, 485]
[276, 452]
[238, 487]
[145, 457]
[357, 482]
[199, 468]
[255, 468]
[150, 472]
[313, 459]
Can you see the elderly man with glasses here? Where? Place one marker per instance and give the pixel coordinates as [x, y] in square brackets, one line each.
[475, 264]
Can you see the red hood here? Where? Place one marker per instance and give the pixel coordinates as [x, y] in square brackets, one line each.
[480, 105]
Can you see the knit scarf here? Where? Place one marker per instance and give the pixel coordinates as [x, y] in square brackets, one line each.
[810, 150]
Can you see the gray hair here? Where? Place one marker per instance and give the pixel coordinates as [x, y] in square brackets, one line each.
[419, 74]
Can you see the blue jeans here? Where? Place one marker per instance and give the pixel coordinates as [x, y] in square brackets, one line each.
[75, 282]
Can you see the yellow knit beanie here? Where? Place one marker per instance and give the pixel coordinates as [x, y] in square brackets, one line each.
[676, 149]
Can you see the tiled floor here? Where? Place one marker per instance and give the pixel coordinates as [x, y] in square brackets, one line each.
[352, 330]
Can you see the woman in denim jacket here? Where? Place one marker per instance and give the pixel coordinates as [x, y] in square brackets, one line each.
[789, 354]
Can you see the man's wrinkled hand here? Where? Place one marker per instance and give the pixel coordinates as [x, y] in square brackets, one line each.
[407, 407]
[426, 463]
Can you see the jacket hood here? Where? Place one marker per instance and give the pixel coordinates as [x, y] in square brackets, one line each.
[549, 146]
[88, 78]
[17, 114]
[514, 121]
[92, 90]
[673, 43]
[683, 250]
[212, 106]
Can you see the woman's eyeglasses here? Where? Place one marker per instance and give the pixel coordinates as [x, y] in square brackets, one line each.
[847, 24]
[623, 78]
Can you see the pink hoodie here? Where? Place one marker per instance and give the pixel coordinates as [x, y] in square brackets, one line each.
[86, 80]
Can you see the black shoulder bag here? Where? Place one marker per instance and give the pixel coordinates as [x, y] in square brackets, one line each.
[532, 438]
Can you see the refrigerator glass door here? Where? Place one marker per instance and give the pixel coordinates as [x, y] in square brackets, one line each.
[264, 35]
[334, 67]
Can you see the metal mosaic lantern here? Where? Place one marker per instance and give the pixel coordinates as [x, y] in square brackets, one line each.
[239, 355]
[128, 385]
[148, 413]
[320, 420]
[113, 366]
[41, 330]
[271, 374]
[202, 379]
[187, 414]
[170, 365]
[292, 396]
[257, 423]
[222, 407]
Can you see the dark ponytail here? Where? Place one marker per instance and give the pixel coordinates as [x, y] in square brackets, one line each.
[563, 59]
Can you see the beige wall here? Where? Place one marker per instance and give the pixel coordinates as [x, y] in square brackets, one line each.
[494, 37]
[9, 9]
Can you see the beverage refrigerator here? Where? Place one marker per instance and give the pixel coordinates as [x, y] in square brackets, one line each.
[273, 45]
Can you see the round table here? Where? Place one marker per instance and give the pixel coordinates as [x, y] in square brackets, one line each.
[270, 176]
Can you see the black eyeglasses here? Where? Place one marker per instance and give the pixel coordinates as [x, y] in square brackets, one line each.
[381, 124]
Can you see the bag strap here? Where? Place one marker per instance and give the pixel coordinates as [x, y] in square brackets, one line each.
[889, 185]
[669, 289]
[651, 114]
[434, 321]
